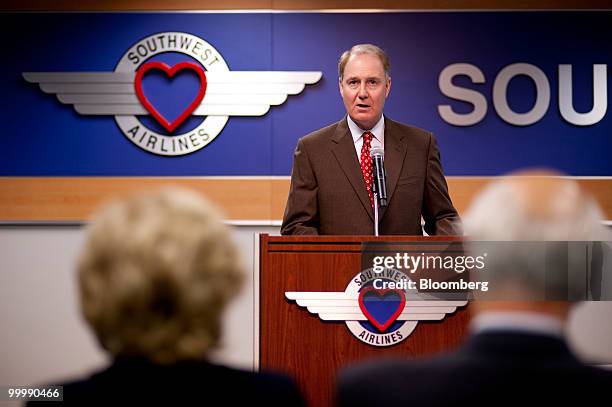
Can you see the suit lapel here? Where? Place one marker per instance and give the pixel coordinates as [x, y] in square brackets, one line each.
[343, 149]
[395, 152]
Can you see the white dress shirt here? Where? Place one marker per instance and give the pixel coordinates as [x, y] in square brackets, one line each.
[378, 131]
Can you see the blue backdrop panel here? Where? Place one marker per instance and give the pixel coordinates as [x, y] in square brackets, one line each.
[42, 137]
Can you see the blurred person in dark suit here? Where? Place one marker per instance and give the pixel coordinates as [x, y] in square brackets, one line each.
[331, 180]
[516, 353]
[155, 275]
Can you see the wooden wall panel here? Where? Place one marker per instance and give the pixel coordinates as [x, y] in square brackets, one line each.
[241, 198]
[74, 199]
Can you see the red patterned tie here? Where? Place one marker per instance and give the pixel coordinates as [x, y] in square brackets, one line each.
[366, 164]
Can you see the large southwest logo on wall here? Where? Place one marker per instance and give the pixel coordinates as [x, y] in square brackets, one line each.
[172, 93]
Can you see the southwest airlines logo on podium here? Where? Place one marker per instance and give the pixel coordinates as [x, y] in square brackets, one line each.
[163, 86]
[378, 309]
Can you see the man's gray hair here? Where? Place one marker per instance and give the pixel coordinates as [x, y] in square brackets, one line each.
[364, 49]
[535, 214]
[536, 207]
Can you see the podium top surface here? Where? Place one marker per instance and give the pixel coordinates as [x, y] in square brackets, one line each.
[331, 242]
[355, 239]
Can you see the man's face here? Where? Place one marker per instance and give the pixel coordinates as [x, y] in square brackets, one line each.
[364, 88]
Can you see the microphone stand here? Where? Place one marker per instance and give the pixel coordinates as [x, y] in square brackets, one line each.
[378, 186]
[375, 213]
[375, 193]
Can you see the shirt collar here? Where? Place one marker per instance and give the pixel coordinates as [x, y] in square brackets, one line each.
[378, 130]
[515, 321]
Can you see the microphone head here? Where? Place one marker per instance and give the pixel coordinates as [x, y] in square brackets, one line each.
[377, 152]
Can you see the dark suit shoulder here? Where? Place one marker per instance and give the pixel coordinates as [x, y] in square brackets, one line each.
[321, 135]
[407, 127]
[478, 375]
[381, 371]
[143, 381]
[324, 134]
[406, 130]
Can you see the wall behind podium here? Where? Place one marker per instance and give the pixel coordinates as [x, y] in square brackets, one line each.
[501, 90]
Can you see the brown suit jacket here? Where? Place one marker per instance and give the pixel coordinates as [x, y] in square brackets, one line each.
[328, 194]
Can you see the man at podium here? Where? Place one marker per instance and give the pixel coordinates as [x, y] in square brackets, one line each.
[331, 181]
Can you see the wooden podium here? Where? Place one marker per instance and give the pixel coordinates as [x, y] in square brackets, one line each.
[294, 341]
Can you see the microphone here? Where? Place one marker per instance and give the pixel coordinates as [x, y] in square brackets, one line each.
[378, 169]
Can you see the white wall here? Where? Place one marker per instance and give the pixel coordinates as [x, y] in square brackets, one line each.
[44, 339]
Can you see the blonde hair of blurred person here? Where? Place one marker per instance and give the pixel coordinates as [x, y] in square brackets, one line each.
[155, 274]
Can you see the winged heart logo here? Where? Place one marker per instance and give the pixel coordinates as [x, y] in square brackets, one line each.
[170, 72]
[216, 94]
[378, 317]
[381, 307]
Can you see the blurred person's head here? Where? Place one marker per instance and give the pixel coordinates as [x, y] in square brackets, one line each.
[534, 206]
[535, 209]
[155, 274]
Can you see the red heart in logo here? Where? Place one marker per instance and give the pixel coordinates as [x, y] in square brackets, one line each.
[170, 72]
[378, 296]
